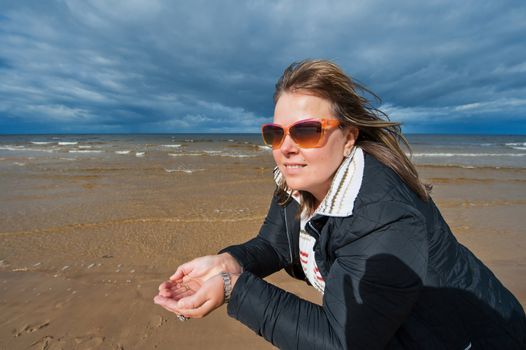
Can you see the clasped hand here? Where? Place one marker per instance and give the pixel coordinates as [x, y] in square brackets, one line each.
[197, 288]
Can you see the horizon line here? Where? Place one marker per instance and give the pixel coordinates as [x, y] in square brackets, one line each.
[237, 133]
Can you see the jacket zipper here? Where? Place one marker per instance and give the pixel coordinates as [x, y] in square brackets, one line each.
[316, 235]
[288, 235]
[309, 223]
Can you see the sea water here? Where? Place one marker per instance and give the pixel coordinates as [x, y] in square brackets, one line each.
[471, 151]
[496, 151]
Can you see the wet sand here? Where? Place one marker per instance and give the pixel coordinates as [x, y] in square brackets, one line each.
[84, 245]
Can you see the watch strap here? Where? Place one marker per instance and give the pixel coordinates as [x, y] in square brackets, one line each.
[227, 285]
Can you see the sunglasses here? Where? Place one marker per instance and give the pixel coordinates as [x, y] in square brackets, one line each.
[308, 133]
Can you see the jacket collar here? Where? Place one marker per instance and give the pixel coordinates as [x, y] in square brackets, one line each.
[344, 189]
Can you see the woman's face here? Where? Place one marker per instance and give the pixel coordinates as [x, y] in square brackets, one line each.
[310, 169]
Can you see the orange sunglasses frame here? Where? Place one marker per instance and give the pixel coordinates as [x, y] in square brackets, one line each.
[326, 124]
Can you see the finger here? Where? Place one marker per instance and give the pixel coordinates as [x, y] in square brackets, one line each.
[162, 301]
[165, 293]
[168, 288]
[193, 301]
[166, 303]
[177, 285]
[165, 285]
[181, 271]
[181, 295]
[180, 288]
[201, 311]
[169, 305]
[176, 290]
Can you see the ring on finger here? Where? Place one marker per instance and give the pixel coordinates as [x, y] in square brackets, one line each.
[182, 318]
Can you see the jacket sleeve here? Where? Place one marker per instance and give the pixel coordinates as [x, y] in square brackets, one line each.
[269, 251]
[370, 290]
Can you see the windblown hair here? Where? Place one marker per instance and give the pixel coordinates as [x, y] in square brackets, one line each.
[378, 136]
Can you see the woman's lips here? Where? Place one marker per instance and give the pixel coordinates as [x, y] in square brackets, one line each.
[293, 168]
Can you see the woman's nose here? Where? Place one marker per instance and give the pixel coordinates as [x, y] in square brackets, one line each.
[288, 145]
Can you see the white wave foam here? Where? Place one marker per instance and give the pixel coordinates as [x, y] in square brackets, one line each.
[265, 148]
[41, 150]
[469, 154]
[84, 146]
[139, 154]
[171, 146]
[12, 148]
[184, 154]
[19, 163]
[186, 171]
[41, 142]
[514, 144]
[22, 148]
[520, 148]
[123, 152]
[67, 143]
[233, 155]
[238, 155]
[61, 158]
[85, 151]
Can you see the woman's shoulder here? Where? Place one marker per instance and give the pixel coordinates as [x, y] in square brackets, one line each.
[381, 183]
[384, 197]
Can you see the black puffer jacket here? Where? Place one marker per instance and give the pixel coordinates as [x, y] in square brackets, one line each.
[395, 277]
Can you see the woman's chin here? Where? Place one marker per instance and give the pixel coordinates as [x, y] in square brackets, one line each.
[294, 186]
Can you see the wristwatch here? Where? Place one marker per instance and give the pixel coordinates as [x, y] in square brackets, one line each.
[227, 285]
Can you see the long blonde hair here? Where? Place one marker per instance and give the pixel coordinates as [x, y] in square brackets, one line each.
[378, 136]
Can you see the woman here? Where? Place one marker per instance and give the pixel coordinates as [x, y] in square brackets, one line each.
[352, 218]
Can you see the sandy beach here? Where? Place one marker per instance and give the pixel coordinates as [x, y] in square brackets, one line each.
[84, 245]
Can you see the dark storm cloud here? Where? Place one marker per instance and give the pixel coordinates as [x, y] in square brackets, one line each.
[163, 66]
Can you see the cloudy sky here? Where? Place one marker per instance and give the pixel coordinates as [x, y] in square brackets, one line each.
[102, 66]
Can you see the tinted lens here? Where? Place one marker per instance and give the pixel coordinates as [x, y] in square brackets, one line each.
[306, 134]
[272, 135]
